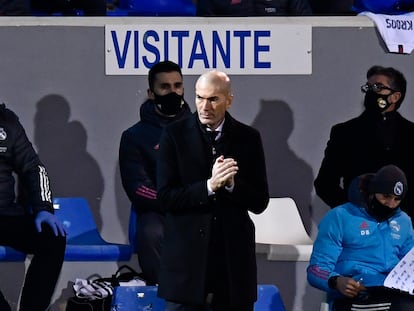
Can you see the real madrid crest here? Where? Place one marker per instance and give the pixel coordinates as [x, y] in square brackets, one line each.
[3, 134]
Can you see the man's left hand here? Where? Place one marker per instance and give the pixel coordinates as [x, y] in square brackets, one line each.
[51, 220]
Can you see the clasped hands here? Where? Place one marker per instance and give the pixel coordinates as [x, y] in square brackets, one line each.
[223, 172]
[50, 219]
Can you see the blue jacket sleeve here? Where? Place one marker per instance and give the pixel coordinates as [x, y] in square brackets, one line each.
[326, 250]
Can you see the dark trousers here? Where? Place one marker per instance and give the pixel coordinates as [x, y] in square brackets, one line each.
[382, 298]
[48, 252]
[4, 306]
[149, 234]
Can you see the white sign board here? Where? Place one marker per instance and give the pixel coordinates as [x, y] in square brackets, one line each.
[257, 49]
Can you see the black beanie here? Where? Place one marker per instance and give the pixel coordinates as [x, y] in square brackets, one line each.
[389, 180]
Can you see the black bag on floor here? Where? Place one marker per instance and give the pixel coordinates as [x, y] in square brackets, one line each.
[96, 294]
[126, 274]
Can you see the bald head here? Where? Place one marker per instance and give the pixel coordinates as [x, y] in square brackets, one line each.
[218, 79]
[213, 97]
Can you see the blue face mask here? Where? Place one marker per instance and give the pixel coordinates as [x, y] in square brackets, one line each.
[169, 104]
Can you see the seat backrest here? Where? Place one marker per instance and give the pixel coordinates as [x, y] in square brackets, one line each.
[84, 241]
[280, 223]
[159, 7]
[76, 216]
[268, 298]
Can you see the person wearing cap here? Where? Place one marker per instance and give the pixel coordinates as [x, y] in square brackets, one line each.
[138, 152]
[360, 242]
[379, 136]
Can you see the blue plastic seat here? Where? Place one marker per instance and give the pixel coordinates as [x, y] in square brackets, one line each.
[10, 254]
[389, 7]
[145, 298]
[268, 298]
[84, 242]
[159, 7]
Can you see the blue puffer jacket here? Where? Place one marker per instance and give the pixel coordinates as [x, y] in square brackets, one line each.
[352, 243]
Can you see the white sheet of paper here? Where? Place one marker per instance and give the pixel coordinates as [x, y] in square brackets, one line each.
[402, 276]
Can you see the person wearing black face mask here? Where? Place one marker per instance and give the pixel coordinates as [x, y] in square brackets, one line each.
[385, 191]
[377, 137]
[375, 101]
[361, 241]
[138, 152]
[169, 104]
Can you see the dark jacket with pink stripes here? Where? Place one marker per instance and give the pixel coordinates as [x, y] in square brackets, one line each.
[138, 154]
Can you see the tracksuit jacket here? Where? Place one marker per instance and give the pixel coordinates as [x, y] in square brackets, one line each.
[352, 243]
[138, 153]
[17, 156]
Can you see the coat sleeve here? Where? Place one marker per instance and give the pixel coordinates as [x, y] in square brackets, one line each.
[137, 184]
[326, 250]
[179, 186]
[251, 188]
[328, 181]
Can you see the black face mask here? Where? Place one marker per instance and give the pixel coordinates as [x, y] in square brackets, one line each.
[169, 104]
[375, 102]
[380, 212]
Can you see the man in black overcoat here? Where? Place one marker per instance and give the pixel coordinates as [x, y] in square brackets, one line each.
[211, 172]
[378, 137]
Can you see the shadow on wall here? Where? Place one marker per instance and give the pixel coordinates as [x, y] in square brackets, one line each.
[61, 145]
[288, 176]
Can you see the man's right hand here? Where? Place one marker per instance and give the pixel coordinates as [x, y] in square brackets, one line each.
[349, 287]
[223, 173]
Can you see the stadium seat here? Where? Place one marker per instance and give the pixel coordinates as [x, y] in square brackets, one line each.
[145, 298]
[84, 242]
[268, 298]
[10, 254]
[281, 228]
[158, 7]
[389, 7]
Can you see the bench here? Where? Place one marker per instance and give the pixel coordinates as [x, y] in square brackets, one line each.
[128, 298]
[84, 242]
